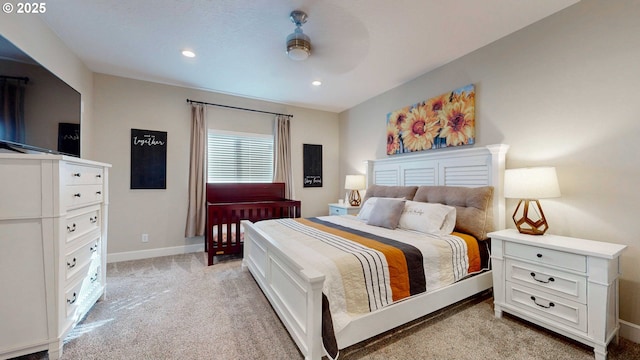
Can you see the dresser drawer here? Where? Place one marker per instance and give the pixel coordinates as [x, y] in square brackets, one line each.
[72, 298]
[77, 261]
[80, 291]
[551, 307]
[75, 174]
[567, 285]
[79, 195]
[81, 222]
[547, 256]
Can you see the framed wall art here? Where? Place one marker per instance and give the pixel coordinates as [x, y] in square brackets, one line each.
[442, 121]
[148, 159]
[312, 165]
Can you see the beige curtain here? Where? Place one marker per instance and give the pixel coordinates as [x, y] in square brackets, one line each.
[196, 212]
[12, 94]
[282, 158]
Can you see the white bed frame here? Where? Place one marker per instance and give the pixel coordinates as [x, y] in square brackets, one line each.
[295, 292]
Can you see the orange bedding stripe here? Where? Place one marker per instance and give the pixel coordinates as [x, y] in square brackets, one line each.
[398, 270]
[473, 251]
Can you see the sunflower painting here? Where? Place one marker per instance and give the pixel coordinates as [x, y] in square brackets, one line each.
[442, 121]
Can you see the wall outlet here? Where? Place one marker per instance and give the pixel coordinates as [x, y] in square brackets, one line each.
[145, 237]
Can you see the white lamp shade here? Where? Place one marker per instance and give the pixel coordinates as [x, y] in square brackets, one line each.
[531, 183]
[355, 182]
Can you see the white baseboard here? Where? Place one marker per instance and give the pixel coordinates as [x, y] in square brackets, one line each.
[630, 331]
[151, 253]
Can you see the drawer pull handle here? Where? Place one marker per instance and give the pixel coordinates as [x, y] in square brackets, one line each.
[98, 176]
[542, 306]
[539, 255]
[73, 299]
[98, 192]
[94, 278]
[93, 219]
[94, 248]
[71, 229]
[550, 279]
[77, 195]
[72, 264]
[76, 174]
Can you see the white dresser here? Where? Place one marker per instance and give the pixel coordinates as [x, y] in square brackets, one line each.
[53, 242]
[564, 284]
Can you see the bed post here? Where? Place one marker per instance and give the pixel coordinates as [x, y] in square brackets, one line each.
[315, 351]
[498, 155]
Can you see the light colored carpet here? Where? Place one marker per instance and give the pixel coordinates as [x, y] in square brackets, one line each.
[178, 308]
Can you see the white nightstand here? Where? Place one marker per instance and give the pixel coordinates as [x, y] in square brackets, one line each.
[564, 284]
[343, 209]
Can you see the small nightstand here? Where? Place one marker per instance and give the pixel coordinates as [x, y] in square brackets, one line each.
[564, 284]
[343, 209]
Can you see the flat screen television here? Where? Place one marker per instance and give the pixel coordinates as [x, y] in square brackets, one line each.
[38, 111]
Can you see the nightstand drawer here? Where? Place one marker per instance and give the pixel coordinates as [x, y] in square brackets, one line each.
[334, 210]
[567, 285]
[342, 209]
[547, 256]
[554, 308]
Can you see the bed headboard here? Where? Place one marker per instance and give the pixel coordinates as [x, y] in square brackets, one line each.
[469, 167]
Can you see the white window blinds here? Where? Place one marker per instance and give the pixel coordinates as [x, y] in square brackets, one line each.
[234, 157]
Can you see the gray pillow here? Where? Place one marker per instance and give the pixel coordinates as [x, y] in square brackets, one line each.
[386, 213]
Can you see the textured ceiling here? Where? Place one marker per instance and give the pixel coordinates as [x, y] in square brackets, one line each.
[360, 48]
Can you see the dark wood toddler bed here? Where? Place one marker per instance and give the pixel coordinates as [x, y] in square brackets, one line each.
[229, 204]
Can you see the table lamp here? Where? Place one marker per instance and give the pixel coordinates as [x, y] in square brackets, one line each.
[529, 185]
[354, 183]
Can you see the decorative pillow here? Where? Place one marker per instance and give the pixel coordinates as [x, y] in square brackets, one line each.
[386, 213]
[474, 211]
[430, 218]
[367, 206]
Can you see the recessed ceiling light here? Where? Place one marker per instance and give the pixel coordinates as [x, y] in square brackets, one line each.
[188, 53]
[316, 83]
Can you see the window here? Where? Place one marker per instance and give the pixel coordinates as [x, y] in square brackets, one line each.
[234, 157]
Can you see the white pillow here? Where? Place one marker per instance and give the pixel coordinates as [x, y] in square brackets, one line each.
[430, 218]
[365, 211]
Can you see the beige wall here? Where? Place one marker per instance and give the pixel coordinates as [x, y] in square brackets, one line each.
[562, 92]
[122, 104]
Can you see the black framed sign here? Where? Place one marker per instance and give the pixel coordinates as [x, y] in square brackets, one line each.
[69, 138]
[148, 159]
[312, 165]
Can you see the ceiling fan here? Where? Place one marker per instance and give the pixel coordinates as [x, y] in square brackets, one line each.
[341, 40]
[298, 44]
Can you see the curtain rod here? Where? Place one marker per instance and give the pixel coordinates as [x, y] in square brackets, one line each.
[21, 78]
[236, 108]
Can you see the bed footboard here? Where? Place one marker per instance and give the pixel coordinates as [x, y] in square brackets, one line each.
[295, 293]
